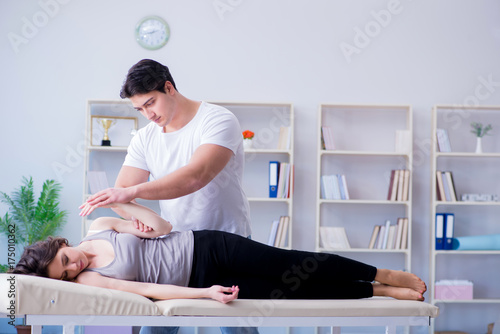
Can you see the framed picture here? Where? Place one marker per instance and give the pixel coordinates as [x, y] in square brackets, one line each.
[112, 131]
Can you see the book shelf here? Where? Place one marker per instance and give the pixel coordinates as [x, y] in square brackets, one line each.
[265, 120]
[365, 150]
[473, 173]
[108, 159]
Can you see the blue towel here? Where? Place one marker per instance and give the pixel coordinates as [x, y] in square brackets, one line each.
[477, 242]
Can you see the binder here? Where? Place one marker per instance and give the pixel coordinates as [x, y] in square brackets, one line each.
[440, 226]
[274, 167]
[449, 228]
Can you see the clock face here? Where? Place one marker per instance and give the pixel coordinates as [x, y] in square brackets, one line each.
[152, 32]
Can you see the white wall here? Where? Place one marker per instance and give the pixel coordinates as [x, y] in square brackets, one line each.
[424, 53]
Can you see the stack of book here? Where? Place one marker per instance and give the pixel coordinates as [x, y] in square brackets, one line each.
[443, 142]
[284, 139]
[334, 238]
[279, 232]
[445, 187]
[334, 187]
[399, 185]
[389, 236]
[280, 179]
[327, 138]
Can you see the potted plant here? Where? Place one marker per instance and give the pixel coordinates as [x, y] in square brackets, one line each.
[28, 220]
[247, 139]
[480, 131]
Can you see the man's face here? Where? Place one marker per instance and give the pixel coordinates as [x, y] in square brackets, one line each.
[155, 106]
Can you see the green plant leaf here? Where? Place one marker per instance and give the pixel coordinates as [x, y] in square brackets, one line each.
[33, 220]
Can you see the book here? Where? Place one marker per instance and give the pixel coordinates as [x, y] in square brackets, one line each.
[404, 234]
[391, 184]
[327, 138]
[284, 232]
[283, 180]
[395, 185]
[330, 187]
[273, 178]
[380, 238]
[446, 187]
[373, 238]
[451, 186]
[406, 185]
[386, 234]
[284, 139]
[281, 225]
[97, 181]
[273, 233]
[401, 176]
[441, 196]
[443, 141]
[291, 181]
[334, 238]
[344, 187]
[391, 237]
[440, 231]
[449, 230]
[403, 141]
[399, 233]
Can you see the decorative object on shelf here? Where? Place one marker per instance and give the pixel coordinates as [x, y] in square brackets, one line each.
[477, 242]
[122, 128]
[152, 32]
[454, 290]
[106, 124]
[248, 139]
[479, 197]
[480, 131]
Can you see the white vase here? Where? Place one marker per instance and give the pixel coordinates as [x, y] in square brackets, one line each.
[479, 145]
[247, 144]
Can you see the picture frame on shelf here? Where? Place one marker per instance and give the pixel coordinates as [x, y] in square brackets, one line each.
[112, 130]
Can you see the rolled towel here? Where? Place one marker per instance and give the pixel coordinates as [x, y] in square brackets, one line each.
[477, 242]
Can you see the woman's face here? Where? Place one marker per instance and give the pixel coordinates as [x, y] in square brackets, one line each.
[68, 263]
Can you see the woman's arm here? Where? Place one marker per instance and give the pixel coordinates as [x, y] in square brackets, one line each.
[158, 225]
[159, 291]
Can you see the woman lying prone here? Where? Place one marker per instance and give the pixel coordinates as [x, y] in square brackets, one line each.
[161, 264]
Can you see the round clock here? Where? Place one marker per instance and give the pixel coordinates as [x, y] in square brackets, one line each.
[152, 32]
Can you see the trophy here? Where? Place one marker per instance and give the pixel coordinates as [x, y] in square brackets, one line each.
[106, 123]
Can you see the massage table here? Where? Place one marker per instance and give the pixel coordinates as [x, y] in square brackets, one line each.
[43, 301]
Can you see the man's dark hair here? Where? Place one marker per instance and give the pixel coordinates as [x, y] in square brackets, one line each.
[37, 257]
[144, 77]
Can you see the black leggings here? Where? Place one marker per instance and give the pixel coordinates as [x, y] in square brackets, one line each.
[265, 272]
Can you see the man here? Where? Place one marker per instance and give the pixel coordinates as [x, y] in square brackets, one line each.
[190, 158]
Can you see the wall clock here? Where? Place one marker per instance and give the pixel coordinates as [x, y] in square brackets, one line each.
[152, 32]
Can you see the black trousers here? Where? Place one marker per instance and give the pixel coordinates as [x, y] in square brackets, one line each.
[265, 272]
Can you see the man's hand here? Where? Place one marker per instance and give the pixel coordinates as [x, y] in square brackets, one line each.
[223, 294]
[106, 197]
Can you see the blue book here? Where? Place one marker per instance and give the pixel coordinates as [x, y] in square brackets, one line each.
[440, 226]
[449, 228]
[274, 167]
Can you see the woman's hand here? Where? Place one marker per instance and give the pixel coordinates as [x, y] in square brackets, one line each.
[140, 225]
[223, 294]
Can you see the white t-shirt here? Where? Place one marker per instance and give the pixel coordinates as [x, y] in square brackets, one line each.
[221, 204]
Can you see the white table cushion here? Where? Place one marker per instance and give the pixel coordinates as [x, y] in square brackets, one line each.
[37, 295]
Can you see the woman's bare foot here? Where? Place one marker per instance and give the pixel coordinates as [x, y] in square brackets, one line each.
[401, 279]
[396, 292]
